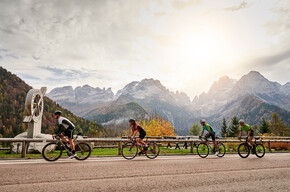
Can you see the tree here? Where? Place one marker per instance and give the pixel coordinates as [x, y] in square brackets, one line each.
[255, 128]
[277, 126]
[234, 127]
[157, 126]
[195, 129]
[264, 127]
[224, 129]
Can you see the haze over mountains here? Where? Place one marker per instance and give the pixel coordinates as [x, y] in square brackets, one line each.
[250, 97]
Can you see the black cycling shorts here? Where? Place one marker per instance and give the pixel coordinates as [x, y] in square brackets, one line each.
[212, 135]
[142, 134]
[69, 132]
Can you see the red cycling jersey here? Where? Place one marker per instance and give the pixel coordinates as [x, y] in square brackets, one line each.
[137, 127]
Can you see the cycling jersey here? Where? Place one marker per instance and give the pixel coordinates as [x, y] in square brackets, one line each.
[208, 128]
[245, 128]
[64, 122]
[138, 128]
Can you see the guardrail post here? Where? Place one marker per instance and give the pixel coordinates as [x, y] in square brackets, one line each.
[269, 146]
[191, 147]
[119, 148]
[23, 152]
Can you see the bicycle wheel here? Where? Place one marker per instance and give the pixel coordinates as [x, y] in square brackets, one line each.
[221, 149]
[51, 152]
[152, 150]
[83, 151]
[243, 150]
[129, 151]
[202, 150]
[260, 150]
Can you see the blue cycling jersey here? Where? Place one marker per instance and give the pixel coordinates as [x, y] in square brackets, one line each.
[208, 128]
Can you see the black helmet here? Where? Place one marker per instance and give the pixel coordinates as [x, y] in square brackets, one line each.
[132, 120]
[58, 112]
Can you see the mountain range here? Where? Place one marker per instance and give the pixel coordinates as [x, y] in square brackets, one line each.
[251, 97]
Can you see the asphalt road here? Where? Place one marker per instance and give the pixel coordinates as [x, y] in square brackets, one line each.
[166, 173]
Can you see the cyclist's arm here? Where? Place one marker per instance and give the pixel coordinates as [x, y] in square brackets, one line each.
[249, 132]
[240, 133]
[59, 129]
[208, 133]
[134, 134]
[202, 132]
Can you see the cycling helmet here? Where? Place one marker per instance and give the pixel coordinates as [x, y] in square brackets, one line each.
[58, 112]
[241, 121]
[202, 121]
[132, 120]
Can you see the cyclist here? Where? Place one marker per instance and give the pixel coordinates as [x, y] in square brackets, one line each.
[69, 131]
[249, 131]
[142, 133]
[211, 133]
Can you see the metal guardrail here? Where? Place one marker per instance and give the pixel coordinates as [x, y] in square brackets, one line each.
[181, 139]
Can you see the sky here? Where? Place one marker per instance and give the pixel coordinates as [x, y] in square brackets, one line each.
[186, 44]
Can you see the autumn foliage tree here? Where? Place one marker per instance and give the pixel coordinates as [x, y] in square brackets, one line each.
[157, 126]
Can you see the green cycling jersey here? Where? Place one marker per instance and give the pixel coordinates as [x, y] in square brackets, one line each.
[208, 128]
[245, 128]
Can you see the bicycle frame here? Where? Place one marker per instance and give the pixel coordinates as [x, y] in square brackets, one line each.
[135, 143]
[60, 142]
[208, 142]
[247, 142]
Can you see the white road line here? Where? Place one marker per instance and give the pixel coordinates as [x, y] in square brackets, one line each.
[112, 159]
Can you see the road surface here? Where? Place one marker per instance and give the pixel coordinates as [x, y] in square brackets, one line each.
[166, 173]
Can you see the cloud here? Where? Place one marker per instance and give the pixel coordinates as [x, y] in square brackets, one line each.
[271, 59]
[28, 77]
[243, 5]
[182, 4]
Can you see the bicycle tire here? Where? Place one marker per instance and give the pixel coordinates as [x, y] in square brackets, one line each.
[129, 151]
[222, 149]
[202, 150]
[243, 150]
[260, 148]
[152, 151]
[50, 152]
[83, 151]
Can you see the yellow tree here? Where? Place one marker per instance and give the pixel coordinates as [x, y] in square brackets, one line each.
[157, 126]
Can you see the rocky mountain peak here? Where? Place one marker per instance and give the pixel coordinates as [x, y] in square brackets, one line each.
[254, 82]
[223, 84]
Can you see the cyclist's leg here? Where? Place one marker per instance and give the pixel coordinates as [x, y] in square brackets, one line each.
[139, 140]
[70, 137]
[251, 138]
[205, 138]
[214, 142]
[63, 138]
[141, 137]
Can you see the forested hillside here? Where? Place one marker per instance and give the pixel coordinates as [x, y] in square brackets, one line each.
[12, 99]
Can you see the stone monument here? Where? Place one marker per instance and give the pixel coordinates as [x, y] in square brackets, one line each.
[34, 105]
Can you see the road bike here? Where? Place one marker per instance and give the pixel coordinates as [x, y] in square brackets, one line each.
[244, 149]
[130, 150]
[53, 151]
[204, 148]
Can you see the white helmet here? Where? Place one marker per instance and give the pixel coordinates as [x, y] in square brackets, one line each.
[241, 121]
[202, 121]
